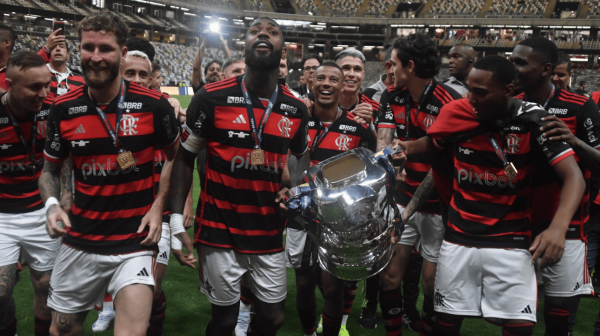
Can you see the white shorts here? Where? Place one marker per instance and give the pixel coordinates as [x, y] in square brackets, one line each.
[164, 245]
[489, 282]
[81, 279]
[23, 238]
[295, 246]
[569, 277]
[223, 269]
[425, 232]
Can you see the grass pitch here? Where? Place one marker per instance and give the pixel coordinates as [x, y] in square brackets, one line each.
[188, 310]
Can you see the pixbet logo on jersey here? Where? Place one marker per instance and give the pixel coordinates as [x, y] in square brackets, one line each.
[285, 126]
[12, 166]
[488, 178]
[104, 168]
[239, 162]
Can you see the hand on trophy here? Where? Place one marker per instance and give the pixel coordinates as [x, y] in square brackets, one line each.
[281, 198]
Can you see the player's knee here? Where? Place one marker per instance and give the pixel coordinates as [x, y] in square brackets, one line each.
[274, 323]
[428, 284]
[389, 281]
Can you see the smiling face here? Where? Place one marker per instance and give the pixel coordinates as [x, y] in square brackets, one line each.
[101, 56]
[213, 72]
[327, 86]
[29, 88]
[561, 76]
[487, 96]
[264, 45]
[354, 73]
[530, 67]
[137, 70]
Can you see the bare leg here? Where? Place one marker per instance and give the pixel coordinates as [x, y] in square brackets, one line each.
[133, 304]
[67, 324]
[8, 277]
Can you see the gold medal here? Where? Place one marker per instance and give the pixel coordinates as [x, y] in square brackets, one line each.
[125, 160]
[257, 157]
[511, 171]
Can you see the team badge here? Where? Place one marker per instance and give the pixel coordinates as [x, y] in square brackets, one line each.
[285, 126]
[343, 142]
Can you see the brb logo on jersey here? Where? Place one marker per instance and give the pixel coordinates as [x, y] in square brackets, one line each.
[514, 144]
[236, 100]
[285, 126]
[347, 128]
[288, 108]
[128, 124]
[343, 142]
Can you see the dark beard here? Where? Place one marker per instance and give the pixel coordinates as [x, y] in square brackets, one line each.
[265, 63]
[103, 80]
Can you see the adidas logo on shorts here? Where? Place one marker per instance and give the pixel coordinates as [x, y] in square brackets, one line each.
[164, 255]
[527, 310]
[143, 272]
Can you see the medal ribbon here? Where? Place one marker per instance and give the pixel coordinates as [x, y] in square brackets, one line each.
[257, 135]
[408, 106]
[502, 154]
[34, 128]
[114, 135]
[322, 132]
[549, 97]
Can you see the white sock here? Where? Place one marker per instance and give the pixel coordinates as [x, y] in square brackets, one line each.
[245, 307]
[107, 306]
[344, 319]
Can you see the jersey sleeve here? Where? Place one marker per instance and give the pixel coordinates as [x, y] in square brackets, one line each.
[552, 151]
[165, 124]
[56, 148]
[385, 116]
[299, 144]
[588, 127]
[199, 122]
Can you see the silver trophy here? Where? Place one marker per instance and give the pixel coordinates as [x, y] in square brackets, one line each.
[348, 210]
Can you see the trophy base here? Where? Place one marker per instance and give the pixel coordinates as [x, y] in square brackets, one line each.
[354, 268]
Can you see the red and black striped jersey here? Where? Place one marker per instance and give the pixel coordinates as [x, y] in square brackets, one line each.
[487, 209]
[237, 208]
[19, 191]
[69, 83]
[344, 134]
[583, 119]
[392, 115]
[166, 95]
[110, 202]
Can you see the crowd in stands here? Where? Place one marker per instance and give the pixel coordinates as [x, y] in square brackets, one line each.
[342, 7]
[308, 6]
[519, 7]
[450, 7]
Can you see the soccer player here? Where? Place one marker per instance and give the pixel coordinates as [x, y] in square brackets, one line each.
[63, 78]
[462, 57]
[234, 65]
[110, 128]
[496, 145]
[24, 113]
[332, 130]
[247, 124]
[212, 71]
[156, 77]
[534, 59]
[385, 80]
[409, 108]
[562, 72]
[310, 62]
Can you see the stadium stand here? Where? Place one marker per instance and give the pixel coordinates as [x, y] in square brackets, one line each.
[343, 7]
[448, 7]
[308, 6]
[380, 7]
[519, 8]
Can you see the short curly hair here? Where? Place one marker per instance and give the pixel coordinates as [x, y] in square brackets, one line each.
[420, 49]
[107, 23]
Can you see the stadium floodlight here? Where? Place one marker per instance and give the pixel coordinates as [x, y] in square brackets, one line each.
[214, 27]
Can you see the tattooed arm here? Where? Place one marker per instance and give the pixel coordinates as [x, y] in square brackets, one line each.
[66, 194]
[385, 136]
[49, 184]
[420, 197]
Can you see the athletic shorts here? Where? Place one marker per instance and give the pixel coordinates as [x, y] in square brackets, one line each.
[569, 277]
[296, 249]
[425, 232]
[81, 279]
[223, 269]
[24, 239]
[164, 245]
[498, 284]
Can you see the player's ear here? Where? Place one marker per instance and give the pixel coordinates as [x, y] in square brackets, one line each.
[508, 90]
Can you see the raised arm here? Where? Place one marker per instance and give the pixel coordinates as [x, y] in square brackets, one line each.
[197, 65]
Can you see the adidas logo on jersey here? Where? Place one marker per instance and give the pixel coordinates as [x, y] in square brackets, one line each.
[527, 310]
[79, 129]
[78, 109]
[236, 100]
[240, 120]
[164, 255]
[143, 272]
